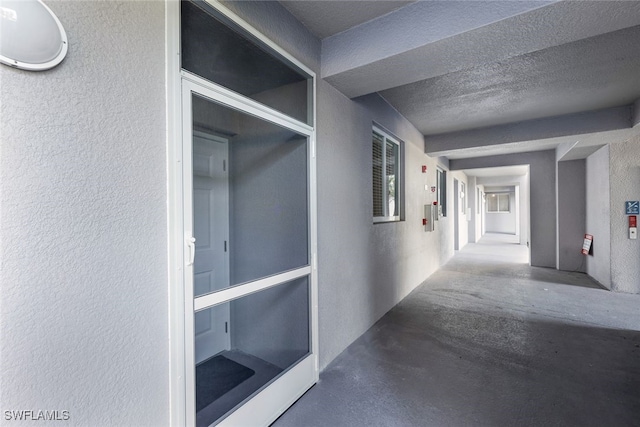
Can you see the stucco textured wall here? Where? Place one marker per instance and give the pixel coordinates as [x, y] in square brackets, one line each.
[625, 185]
[572, 220]
[365, 268]
[598, 216]
[83, 231]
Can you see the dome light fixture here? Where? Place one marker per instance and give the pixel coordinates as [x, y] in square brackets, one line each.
[31, 35]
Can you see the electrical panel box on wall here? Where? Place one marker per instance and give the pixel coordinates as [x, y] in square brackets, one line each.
[429, 219]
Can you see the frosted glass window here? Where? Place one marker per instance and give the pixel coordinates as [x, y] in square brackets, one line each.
[503, 203]
[498, 202]
[218, 50]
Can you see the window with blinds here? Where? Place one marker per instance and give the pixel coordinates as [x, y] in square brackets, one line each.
[386, 186]
[378, 193]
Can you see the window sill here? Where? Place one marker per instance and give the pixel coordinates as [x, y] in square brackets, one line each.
[382, 219]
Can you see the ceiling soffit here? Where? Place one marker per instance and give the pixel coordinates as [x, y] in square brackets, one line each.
[327, 18]
[399, 48]
[485, 77]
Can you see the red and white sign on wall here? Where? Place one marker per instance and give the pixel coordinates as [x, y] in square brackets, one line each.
[586, 246]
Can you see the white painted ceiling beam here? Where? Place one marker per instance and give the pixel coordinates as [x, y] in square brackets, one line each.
[554, 130]
[412, 27]
[564, 148]
[431, 38]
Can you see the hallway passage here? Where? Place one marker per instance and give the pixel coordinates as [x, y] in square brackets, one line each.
[488, 341]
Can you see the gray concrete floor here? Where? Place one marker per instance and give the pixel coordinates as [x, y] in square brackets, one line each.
[488, 341]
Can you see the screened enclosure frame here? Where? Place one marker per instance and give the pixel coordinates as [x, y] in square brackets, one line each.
[182, 85]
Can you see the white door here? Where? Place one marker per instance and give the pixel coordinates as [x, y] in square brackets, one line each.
[211, 230]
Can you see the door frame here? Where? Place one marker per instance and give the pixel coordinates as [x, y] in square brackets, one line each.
[456, 214]
[179, 352]
[301, 376]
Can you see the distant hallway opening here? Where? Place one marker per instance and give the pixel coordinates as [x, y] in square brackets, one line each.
[498, 247]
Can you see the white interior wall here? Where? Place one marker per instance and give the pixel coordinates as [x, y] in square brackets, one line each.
[473, 205]
[571, 216]
[517, 209]
[481, 216]
[598, 213]
[502, 222]
[459, 208]
[525, 211]
[83, 236]
[456, 214]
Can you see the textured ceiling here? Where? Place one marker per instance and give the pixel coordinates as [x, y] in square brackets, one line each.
[590, 74]
[458, 68]
[326, 18]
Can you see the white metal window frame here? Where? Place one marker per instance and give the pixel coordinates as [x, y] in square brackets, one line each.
[399, 199]
[498, 196]
[182, 84]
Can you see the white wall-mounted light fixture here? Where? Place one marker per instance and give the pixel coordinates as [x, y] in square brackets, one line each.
[31, 36]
